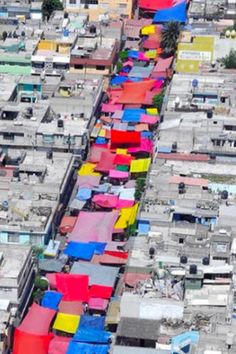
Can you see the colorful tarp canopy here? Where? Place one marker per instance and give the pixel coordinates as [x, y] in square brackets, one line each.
[59, 345]
[80, 250]
[96, 322]
[118, 174]
[124, 138]
[38, 320]
[122, 159]
[87, 169]
[99, 247]
[67, 224]
[176, 13]
[101, 291]
[95, 153]
[66, 323]
[110, 108]
[106, 162]
[71, 307]
[74, 287]
[106, 200]
[79, 348]
[134, 93]
[149, 119]
[139, 166]
[127, 217]
[145, 146]
[154, 4]
[37, 344]
[132, 114]
[51, 300]
[94, 226]
[84, 194]
[91, 335]
[98, 303]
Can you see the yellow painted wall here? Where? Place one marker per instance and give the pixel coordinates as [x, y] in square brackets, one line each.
[47, 45]
[191, 55]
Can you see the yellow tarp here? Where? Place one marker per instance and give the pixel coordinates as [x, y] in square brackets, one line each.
[152, 111]
[102, 133]
[87, 169]
[141, 165]
[146, 30]
[121, 151]
[151, 54]
[127, 217]
[66, 323]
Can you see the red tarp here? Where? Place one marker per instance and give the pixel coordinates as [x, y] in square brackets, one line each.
[59, 345]
[38, 320]
[135, 92]
[145, 146]
[27, 343]
[123, 255]
[108, 259]
[124, 139]
[95, 154]
[111, 108]
[67, 224]
[184, 157]
[74, 287]
[71, 307]
[103, 292]
[123, 159]
[106, 162]
[154, 5]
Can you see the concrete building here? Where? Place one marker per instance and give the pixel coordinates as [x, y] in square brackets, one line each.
[98, 9]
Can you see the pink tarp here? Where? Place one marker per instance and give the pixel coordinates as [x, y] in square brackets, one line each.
[145, 146]
[145, 118]
[106, 200]
[184, 157]
[106, 162]
[94, 226]
[88, 181]
[118, 174]
[161, 67]
[38, 320]
[201, 182]
[123, 203]
[98, 304]
[74, 287]
[95, 153]
[111, 108]
[51, 277]
[59, 345]
[71, 307]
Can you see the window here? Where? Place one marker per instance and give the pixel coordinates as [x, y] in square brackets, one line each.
[89, 2]
[8, 136]
[100, 67]
[14, 238]
[48, 139]
[78, 66]
[72, 2]
[181, 240]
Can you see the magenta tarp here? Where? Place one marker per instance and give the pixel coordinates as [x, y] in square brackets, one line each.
[145, 118]
[105, 200]
[123, 203]
[111, 108]
[59, 345]
[98, 304]
[38, 320]
[74, 287]
[145, 146]
[118, 174]
[94, 226]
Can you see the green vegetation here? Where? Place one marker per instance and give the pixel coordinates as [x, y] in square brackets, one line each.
[139, 188]
[158, 100]
[169, 37]
[123, 55]
[230, 60]
[119, 66]
[49, 6]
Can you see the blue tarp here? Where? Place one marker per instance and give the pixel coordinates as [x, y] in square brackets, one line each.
[80, 250]
[102, 188]
[146, 134]
[85, 348]
[90, 335]
[95, 322]
[100, 140]
[51, 300]
[143, 227]
[175, 13]
[132, 115]
[164, 149]
[133, 54]
[118, 80]
[184, 341]
[99, 247]
[84, 194]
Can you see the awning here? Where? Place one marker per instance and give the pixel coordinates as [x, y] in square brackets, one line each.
[139, 166]
[66, 322]
[73, 287]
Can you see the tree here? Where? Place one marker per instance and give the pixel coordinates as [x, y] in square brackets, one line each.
[169, 37]
[230, 60]
[4, 36]
[49, 6]
[157, 101]
[139, 188]
[123, 55]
